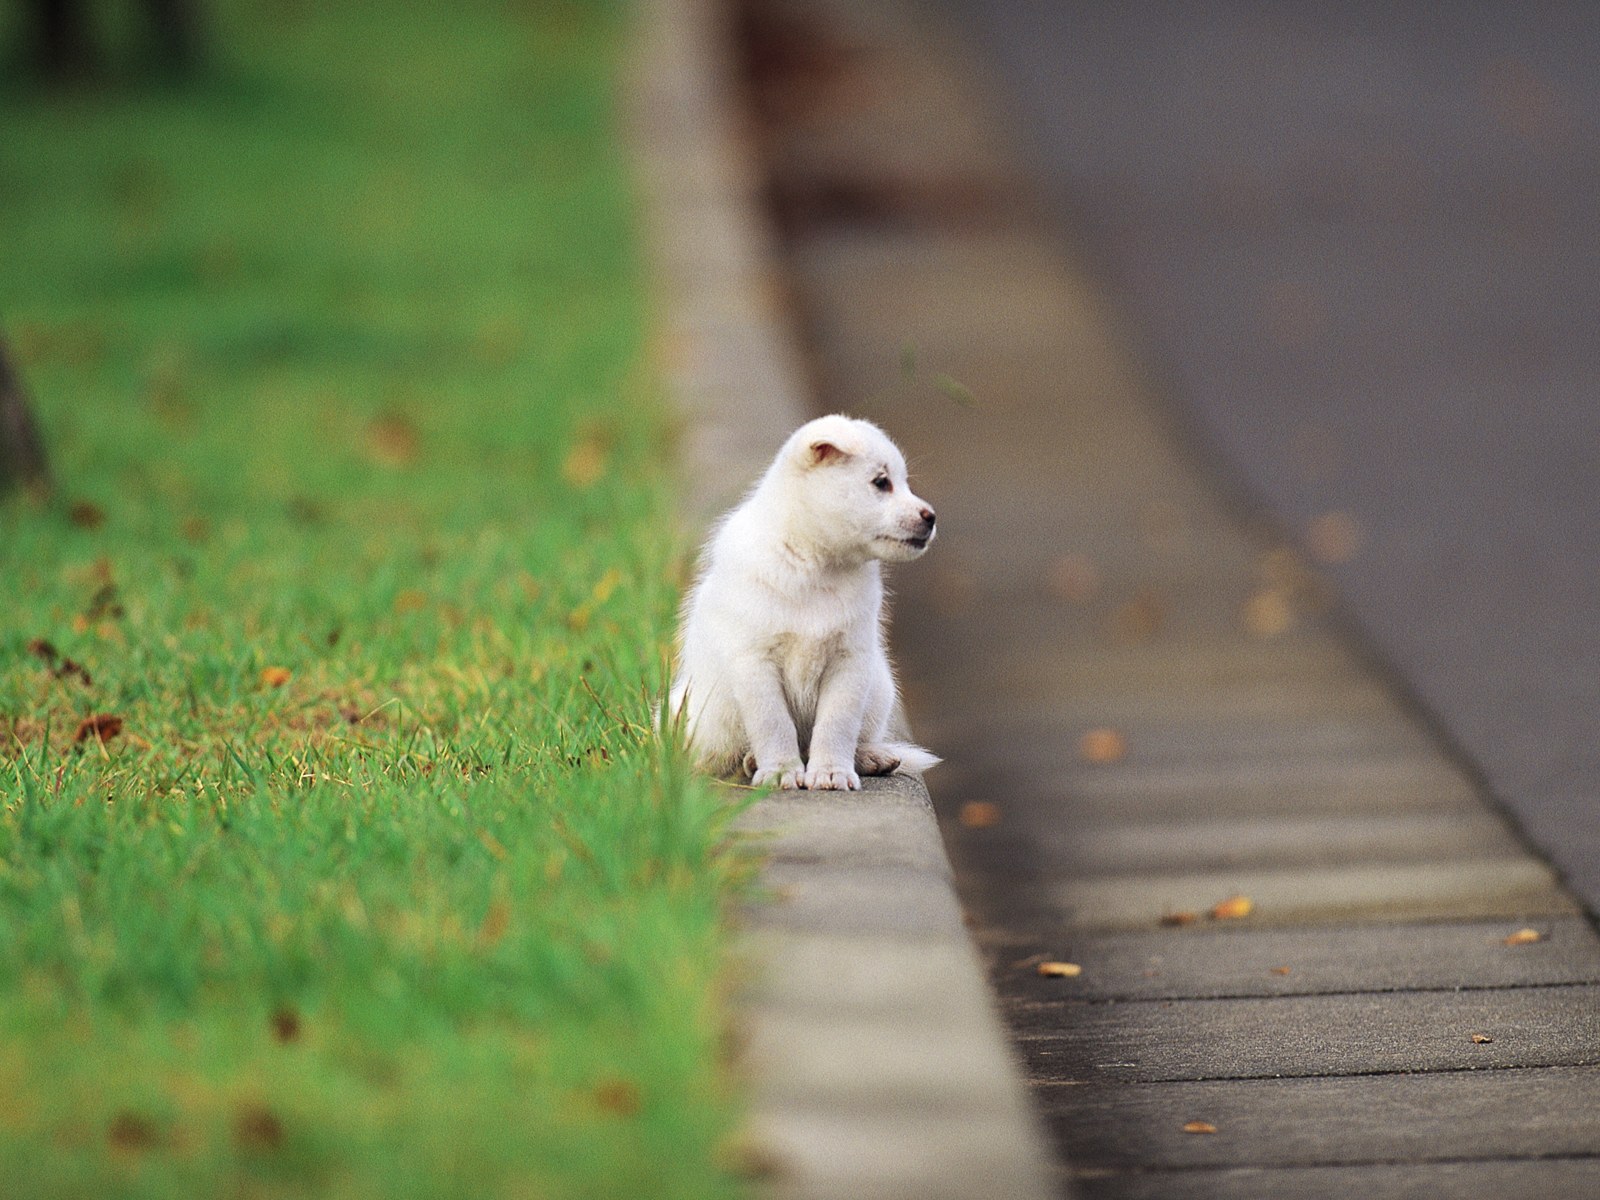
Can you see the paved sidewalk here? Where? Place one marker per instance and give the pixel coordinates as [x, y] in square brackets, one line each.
[1150, 705]
[1363, 237]
[877, 1066]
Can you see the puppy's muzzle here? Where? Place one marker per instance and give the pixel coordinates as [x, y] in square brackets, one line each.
[923, 533]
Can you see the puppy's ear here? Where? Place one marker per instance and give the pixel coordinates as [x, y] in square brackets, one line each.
[821, 454]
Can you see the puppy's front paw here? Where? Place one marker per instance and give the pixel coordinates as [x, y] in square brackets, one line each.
[787, 775]
[834, 778]
[876, 760]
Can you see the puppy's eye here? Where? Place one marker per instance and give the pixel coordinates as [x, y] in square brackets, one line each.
[883, 484]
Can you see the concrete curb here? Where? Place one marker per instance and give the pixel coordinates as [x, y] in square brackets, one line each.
[877, 1064]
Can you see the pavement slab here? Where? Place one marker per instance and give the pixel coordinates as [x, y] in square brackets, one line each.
[1213, 961]
[1362, 1033]
[1434, 1117]
[1512, 888]
[1469, 1180]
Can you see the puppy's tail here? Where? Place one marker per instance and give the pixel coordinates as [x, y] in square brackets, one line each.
[914, 760]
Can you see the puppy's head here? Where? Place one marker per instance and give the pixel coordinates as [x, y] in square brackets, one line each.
[849, 480]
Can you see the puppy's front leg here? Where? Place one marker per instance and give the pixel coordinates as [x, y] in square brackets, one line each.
[840, 710]
[774, 745]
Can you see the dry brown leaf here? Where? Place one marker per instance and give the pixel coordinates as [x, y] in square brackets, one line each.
[1199, 1127]
[102, 727]
[285, 1025]
[274, 677]
[979, 814]
[392, 440]
[606, 585]
[257, 1128]
[1181, 917]
[585, 462]
[1481, 1039]
[1102, 746]
[495, 922]
[131, 1131]
[1281, 971]
[1524, 937]
[619, 1096]
[86, 514]
[1233, 908]
[1059, 970]
[1268, 613]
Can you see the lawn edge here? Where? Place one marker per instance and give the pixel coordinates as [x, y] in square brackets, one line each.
[875, 1059]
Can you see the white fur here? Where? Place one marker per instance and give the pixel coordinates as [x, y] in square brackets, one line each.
[781, 655]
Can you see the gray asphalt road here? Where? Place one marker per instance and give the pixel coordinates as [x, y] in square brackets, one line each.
[1361, 244]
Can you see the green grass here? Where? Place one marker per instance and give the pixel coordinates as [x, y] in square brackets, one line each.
[344, 345]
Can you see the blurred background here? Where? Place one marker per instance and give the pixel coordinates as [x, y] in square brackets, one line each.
[1359, 244]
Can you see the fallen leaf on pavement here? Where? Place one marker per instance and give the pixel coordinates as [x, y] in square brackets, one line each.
[979, 814]
[1524, 937]
[1199, 1127]
[1268, 613]
[1059, 970]
[1181, 917]
[1102, 746]
[1233, 908]
[1280, 970]
[1481, 1039]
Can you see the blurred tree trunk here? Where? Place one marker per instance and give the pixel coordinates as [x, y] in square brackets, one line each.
[174, 34]
[62, 47]
[63, 38]
[22, 460]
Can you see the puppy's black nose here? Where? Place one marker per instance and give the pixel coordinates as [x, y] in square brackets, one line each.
[928, 516]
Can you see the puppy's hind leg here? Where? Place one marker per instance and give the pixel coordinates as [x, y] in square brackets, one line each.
[873, 756]
[879, 752]
[876, 760]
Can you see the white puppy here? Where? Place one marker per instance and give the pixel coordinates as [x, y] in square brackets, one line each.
[781, 656]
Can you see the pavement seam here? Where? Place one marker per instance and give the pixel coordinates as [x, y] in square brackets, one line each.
[878, 1099]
